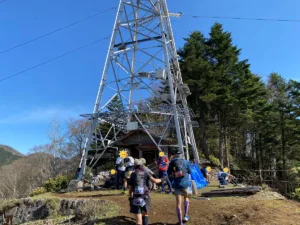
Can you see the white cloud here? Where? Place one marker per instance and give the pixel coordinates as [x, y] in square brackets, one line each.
[41, 115]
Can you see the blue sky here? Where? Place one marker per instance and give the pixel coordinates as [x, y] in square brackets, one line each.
[67, 87]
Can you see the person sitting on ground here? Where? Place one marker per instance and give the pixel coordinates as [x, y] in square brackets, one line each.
[163, 163]
[205, 173]
[110, 181]
[180, 169]
[222, 177]
[139, 192]
[226, 178]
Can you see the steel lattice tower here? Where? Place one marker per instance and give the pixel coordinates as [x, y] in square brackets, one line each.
[142, 71]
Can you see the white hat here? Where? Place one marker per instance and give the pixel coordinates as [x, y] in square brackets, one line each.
[143, 161]
[138, 162]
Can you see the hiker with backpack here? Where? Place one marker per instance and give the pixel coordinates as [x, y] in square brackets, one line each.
[226, 177]
[120, 168]
[139, 192]
[180, 169]
[162, 164]
[129, 165]
[205, 173]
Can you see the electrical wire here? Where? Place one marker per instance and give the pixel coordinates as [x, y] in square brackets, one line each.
[94, 15]
[243, 18]
[3, 1]
[55, 31]
[53, 59]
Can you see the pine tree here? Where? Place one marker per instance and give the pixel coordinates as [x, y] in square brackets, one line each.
[196, 71]
[115, 105]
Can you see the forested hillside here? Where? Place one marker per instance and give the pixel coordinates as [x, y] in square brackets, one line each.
[246, 123]
[8, 155]
[58, 157]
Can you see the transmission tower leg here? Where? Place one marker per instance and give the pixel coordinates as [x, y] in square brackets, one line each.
[164, 14]
[180, 81]
[135, 38]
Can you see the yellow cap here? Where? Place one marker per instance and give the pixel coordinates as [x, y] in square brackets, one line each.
[226, 170]
[123, 154]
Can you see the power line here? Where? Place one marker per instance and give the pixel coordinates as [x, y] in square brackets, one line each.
[55, 31]
[53, 59]
[3, 1]
[243, 18]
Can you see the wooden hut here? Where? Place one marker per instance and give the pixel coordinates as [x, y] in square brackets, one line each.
[140, 145]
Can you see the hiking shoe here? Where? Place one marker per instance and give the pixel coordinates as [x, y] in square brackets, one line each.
[170, 192]
[186, 218]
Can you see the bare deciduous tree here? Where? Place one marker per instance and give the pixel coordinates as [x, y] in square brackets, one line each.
[77, 134]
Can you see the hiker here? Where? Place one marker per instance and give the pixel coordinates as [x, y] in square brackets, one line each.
[129, 165]
[120, 168]
[162, 164]
[139, 192]
[180, 170]
[222, 177]
[147, 169]
[205, 173]
[151, 185]
[110, 181]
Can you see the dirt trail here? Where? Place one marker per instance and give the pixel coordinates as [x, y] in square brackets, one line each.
[217, 211]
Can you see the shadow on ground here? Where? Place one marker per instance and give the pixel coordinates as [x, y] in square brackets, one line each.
[121, 220]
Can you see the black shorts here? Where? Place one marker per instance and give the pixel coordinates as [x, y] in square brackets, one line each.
[138, 209]
[121, 174]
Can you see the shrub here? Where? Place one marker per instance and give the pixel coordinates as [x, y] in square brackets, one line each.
[57, 184]
[108, 166]
[201, 155]
[38, 191]
[214, 160]
[296, 194]
[294, 171]
[50, 185]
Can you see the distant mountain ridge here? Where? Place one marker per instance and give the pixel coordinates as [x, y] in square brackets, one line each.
[8, 155]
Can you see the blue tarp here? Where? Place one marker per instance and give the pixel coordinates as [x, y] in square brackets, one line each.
[197, 176]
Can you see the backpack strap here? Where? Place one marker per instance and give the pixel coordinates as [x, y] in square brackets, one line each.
[180, 169]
